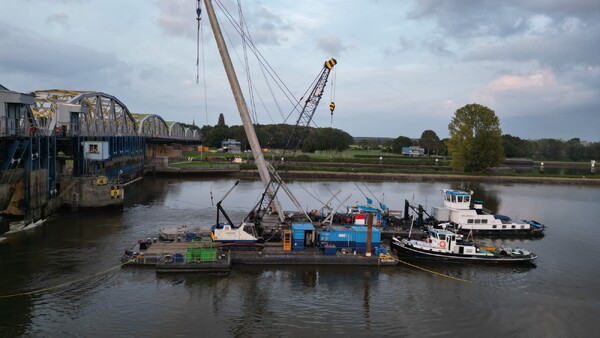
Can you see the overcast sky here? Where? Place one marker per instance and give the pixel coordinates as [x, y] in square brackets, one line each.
[403, 66]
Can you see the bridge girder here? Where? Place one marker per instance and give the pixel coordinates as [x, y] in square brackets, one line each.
[90, 113]
[85, 113]
[177, 130]
[152, 126]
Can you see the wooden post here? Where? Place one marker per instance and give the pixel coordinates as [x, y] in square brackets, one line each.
[369, 233]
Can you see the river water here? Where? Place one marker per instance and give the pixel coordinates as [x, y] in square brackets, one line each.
[559, 297]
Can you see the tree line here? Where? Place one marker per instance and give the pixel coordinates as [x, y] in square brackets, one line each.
[280, 136]
[549, 149]
[475, 144]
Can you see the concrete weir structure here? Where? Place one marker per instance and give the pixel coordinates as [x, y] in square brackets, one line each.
[76, 148]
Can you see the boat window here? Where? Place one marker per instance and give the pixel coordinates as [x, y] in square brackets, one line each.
[448, 198]
[503, 226]
[467, 198]
[494, 226]
[470, 220]
[484, 221]
[513, 226]
[442, 237]
[453, 198]
[460, 199]
[477, 221]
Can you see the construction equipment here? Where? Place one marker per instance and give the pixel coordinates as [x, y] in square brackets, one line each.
[311, 103]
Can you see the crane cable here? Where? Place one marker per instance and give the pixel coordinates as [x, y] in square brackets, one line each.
[198, 12]
[261, 59]
[200, 40]
[333, 85]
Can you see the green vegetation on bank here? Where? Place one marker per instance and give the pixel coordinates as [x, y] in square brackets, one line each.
[476, 145]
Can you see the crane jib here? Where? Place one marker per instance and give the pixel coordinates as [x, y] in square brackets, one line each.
[330, 63]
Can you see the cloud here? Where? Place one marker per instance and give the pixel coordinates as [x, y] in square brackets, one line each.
[176, 16]
[24, 57]
[539, 79]
[438, 46]
[331, 45]
[562, 44]
[466, 18]
[60, 19]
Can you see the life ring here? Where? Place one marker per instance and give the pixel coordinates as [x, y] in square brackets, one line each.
[442, 244]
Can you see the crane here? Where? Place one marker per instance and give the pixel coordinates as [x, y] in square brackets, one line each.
[306, 115]
[311, 103]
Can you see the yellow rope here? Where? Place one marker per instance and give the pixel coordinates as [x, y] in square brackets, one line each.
[433, 272]
[64, 284]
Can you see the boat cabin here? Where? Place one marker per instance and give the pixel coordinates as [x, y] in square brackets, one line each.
[454, 199]
[450, 241]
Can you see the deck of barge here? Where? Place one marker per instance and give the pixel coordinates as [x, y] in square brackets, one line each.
[267, 254]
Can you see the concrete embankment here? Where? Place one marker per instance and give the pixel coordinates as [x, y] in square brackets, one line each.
[426, 177]
[407, 177]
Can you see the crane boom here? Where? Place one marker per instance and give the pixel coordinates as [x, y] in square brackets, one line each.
[311, 103]
[310, 106]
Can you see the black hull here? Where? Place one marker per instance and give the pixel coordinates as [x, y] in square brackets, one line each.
[410, 252]
[218, 266]
[504, 233]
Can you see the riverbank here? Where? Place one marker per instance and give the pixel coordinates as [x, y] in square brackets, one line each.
[230, 171]
[415, 177]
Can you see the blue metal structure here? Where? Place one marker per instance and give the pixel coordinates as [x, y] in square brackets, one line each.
[51, 132]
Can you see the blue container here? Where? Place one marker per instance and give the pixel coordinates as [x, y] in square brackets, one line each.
[361, 233]
[299, 230]
[298, 245]
[178, 257]
[362, 248]
[330, 250]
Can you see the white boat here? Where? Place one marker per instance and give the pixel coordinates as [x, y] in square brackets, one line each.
[226, 233]
[445, 245]
[458, 212]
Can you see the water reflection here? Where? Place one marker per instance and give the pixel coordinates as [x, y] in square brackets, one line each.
[301, 300]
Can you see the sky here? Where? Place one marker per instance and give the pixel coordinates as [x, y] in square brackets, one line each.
[403, 66]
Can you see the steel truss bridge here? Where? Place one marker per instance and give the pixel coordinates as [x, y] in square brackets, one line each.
[47, 135]
[89, 113]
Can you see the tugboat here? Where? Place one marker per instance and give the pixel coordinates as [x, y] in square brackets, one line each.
[446, 245]
[457, 210]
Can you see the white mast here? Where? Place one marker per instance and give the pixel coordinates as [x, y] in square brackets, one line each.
[259, 158]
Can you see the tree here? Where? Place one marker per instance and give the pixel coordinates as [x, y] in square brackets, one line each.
[399, 143]
[516, 147]
[221, 122]
[475, 142]
[430, 141]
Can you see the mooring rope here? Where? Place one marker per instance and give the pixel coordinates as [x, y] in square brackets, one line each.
[431, 271]
[65, 283]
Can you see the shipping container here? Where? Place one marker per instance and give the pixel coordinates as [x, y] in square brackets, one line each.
[302, 233]
[361, 234]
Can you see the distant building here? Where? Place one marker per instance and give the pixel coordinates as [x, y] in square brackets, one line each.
[413, 151]
[231, 146]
